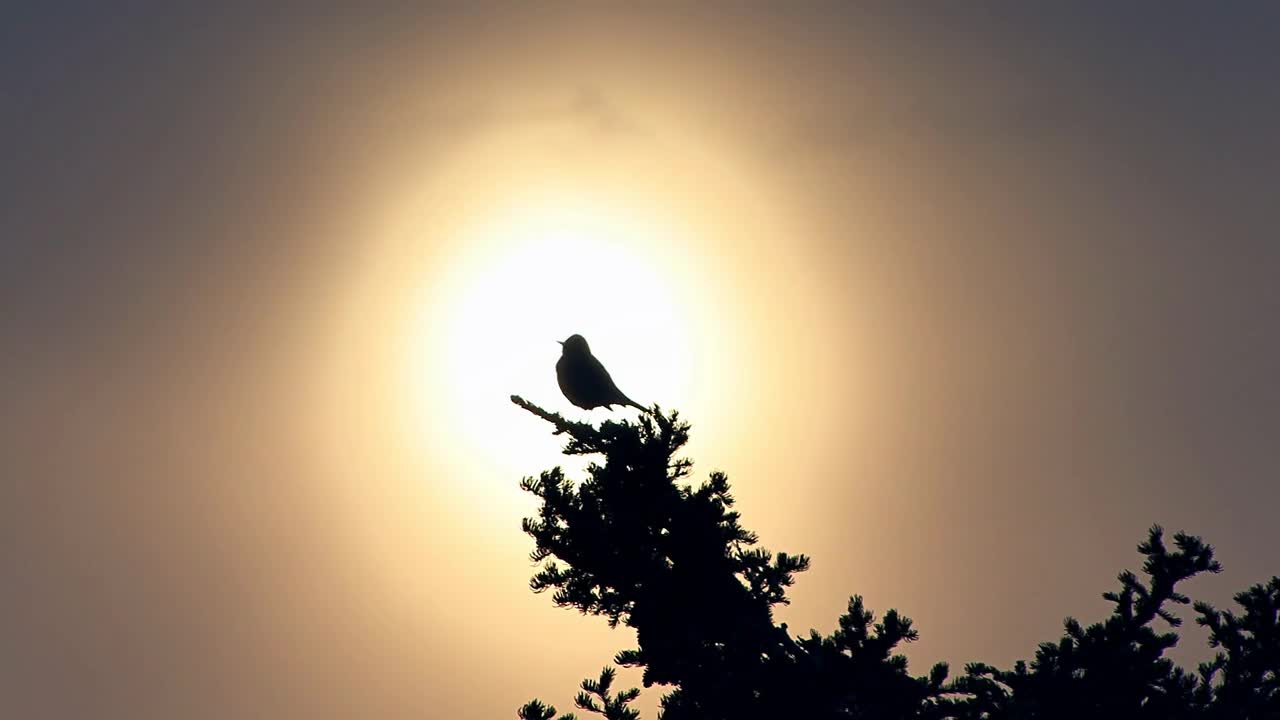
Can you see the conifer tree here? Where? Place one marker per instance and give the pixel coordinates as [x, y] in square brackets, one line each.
[636, 543]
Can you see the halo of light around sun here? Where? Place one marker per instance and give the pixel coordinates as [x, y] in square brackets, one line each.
[534, 274]
[479, 263]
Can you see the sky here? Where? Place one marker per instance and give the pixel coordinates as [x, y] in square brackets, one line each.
[962, 299]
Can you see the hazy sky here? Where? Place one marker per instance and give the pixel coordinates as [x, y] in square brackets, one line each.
[961, 298]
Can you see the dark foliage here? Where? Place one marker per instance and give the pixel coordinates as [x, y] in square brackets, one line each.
[1248, 663]
[637, 545]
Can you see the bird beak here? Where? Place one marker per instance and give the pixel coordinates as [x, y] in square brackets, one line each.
[560, 341]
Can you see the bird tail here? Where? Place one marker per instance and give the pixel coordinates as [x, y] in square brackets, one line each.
[651, 412]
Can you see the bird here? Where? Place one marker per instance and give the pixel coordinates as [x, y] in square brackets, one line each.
[583, 379]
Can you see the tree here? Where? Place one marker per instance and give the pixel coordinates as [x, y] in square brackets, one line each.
[1248, 664]
[636, 544]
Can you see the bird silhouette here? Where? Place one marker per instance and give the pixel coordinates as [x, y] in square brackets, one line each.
[584, 380]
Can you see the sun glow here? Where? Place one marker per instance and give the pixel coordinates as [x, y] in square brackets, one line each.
[519, 239]
[529, 275]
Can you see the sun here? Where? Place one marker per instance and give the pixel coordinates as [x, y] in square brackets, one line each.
[532, 273]
[648, 247]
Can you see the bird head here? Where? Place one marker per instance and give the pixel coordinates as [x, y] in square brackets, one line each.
[575, 345]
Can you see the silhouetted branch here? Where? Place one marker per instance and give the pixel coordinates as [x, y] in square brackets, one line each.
[535, 710]
[577, 429]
